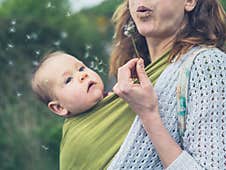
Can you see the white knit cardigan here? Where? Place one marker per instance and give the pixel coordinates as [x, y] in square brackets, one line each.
[205, 136]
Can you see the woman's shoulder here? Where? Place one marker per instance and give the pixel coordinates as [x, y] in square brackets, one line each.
[210, 56]
[208, 65]
[206, 55]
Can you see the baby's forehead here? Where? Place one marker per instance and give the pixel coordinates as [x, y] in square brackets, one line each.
[63, 58]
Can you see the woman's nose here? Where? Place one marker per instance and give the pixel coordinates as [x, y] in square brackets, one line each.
[83, 76]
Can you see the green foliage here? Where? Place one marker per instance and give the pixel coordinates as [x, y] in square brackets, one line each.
[30, 134]
[223, 3]
[42, 9]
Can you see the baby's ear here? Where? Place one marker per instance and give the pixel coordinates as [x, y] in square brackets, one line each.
[55, 107]
[190, 5]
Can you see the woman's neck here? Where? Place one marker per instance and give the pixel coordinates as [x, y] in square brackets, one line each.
[157, 47]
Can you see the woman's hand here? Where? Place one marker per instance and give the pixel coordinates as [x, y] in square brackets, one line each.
[140, 96]
[143, 100]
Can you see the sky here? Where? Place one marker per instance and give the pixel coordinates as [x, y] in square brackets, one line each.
[77, 5]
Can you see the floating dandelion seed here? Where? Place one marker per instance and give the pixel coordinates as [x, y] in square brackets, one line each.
[35, 63]
[86, 55]
[57, 43]
[96, 58]
[92, 64]
[13, 22]
[129, 31]
[63, 34]
[11, 45]
[28, 37]
[34, 35]
[10, 63]
[68, 14]
[18, 94]
[49, 5]
[88, 47]
[37, 52]
[101, 62]
[45, 147]
[12, 29]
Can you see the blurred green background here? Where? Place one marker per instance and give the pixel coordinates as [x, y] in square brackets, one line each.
[30, 133]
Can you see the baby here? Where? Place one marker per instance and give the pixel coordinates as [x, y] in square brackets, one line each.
[66, 85]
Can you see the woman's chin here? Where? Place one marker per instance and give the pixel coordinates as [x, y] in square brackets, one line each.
[145, 32]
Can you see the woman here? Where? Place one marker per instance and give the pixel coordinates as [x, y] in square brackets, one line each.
[182, 27]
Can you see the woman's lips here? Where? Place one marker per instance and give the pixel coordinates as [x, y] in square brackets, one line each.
[143, 12]
[143, 9]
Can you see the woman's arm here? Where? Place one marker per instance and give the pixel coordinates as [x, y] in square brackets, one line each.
[205, 135]
[143, 100]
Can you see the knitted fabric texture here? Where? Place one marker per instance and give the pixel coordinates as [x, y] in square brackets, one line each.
[204, 138]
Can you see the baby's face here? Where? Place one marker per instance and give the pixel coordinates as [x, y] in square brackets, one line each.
[75, 86]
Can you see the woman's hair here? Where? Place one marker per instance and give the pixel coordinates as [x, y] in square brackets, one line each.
[204, 25]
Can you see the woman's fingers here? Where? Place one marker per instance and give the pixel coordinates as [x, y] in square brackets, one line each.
[142, 76]
[125, 76]
[124, 72]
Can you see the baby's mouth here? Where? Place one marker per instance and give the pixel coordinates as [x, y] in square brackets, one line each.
[90, 84]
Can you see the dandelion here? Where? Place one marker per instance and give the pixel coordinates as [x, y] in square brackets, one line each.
[129, 30]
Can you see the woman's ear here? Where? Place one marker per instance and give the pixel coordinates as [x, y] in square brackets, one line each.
[55, 107]
[189, 5]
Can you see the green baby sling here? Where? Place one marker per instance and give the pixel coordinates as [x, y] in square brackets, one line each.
[91, 139]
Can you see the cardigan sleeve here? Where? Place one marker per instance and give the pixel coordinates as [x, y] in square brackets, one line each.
[204, 138]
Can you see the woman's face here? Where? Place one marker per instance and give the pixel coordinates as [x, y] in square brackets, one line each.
[157, 18]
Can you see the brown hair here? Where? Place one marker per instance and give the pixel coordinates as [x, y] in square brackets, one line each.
[206, 24]
[40, 87]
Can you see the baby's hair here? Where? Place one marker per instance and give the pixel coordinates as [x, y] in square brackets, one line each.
[40, 87]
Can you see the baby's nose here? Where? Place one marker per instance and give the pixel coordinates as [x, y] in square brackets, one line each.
[83, 76]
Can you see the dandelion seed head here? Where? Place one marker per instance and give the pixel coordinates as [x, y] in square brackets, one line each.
[129, 29]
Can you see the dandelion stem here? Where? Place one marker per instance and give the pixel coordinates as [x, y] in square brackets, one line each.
[135, 47]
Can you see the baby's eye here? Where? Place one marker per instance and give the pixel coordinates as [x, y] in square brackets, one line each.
[68, 80]
[82, 68]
